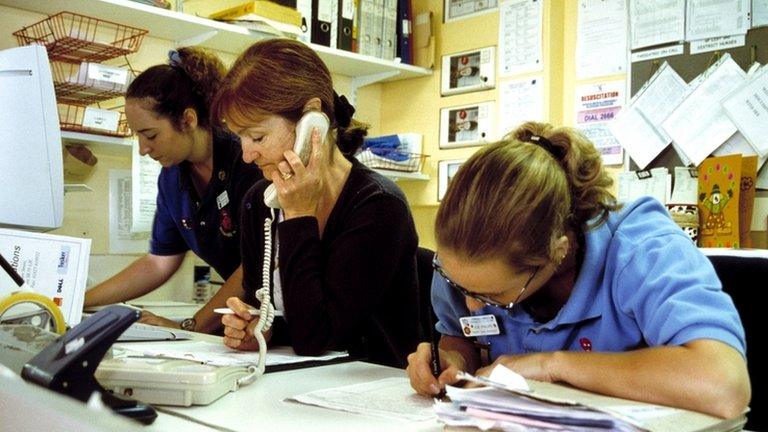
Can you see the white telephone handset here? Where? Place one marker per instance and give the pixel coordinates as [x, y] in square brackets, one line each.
[303, 146]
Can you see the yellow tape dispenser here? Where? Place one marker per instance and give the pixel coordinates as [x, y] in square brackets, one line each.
[25, 307]
[32, 309]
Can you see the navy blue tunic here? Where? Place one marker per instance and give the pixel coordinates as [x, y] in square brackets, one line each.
[207, 225]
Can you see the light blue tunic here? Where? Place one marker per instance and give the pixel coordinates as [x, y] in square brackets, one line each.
[642, 283]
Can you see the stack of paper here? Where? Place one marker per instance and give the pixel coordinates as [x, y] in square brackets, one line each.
[52, 265]
[217, 354]
[508, 403]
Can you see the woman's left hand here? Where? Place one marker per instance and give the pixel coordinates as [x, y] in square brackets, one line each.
[534, 366]
[155, 320]
[300, 192]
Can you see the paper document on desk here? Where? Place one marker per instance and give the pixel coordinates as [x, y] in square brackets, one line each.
[218, 354]
[52, 265]
[507, 404]
[389, 398]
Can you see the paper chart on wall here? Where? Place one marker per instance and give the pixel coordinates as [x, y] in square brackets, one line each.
[519, 101]
[737, 143]
[144, 173]
[759, 13]
[699, 125]
[747, 107]
[637, 136]
[657, 183]
[601, 38]
[520, 37]
[659, 97]
[460, 9]
[121, 239]
[596, 106]
[686, 186]
[656, 22]
[715, 18]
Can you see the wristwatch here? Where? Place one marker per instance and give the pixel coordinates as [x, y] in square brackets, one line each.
[189, 324]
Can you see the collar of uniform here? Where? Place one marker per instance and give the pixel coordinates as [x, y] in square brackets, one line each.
[225, 147]
[584, 303]
[226, 152]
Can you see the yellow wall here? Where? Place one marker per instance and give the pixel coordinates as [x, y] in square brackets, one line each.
[414, 105]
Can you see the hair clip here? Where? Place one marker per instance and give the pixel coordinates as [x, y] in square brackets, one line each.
[343, 110]
[174, 59]
[546, 144]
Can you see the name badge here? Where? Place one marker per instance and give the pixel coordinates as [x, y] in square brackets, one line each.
[481, 325]
[222, 199]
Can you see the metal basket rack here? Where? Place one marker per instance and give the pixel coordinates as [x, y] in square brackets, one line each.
[71, 119]
[413, 162]
[74, 86]
[73, 42]
[75, 38]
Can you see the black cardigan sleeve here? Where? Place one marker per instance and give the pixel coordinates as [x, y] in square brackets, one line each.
[330, 288]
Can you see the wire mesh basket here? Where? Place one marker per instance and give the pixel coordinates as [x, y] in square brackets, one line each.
[73, 118]
[89, 83]
[395, 160]
[75, 38]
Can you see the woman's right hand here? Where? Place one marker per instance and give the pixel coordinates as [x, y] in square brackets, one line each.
[420, 370]
[238, 327]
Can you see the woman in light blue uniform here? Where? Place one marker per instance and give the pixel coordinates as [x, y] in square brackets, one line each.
[538, 263]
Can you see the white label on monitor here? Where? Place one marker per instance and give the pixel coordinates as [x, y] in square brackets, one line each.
[100, 72]
[101, 119]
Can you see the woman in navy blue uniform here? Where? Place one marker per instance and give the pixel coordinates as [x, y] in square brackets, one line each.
[200, 187]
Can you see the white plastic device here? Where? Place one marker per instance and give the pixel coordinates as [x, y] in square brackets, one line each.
[303, 146]
[170, 381]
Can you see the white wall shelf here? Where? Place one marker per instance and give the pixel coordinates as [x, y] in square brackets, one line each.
[86, 138]
[402, 175]
[184, 29]
[77, 187]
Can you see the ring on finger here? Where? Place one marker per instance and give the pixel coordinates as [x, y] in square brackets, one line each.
[285, 175]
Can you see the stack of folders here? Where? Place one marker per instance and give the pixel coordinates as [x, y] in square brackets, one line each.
[263, 16]
[510, 403]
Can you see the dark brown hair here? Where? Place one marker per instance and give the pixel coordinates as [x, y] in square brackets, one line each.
[279, 76]
[512, 198]
[190, 81]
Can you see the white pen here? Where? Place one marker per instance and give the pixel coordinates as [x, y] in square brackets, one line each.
[254, 312]
[230, 311]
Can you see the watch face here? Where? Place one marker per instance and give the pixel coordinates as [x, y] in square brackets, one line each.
[188, 324]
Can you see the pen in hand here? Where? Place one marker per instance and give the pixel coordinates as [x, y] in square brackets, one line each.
[435, 346]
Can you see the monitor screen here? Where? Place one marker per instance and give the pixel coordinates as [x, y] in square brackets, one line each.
[31, 170]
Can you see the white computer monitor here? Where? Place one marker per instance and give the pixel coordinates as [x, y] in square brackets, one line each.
[31, 170]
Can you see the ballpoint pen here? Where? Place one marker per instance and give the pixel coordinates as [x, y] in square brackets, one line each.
[435, 347]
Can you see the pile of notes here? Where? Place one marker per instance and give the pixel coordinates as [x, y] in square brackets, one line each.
[509, 402]
[488, 407]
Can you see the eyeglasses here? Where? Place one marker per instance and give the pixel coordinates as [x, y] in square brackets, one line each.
[480, 297]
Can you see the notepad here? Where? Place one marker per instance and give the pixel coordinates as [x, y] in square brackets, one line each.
[391, 398]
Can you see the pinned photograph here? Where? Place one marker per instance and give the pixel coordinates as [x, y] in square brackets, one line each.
[468, 71]
[460, 9]
[466, 125]
[446, 170]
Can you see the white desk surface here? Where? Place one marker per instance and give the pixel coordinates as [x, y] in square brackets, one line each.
[261, 405]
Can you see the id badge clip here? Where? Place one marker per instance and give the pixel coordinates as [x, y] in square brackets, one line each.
[479, 325]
